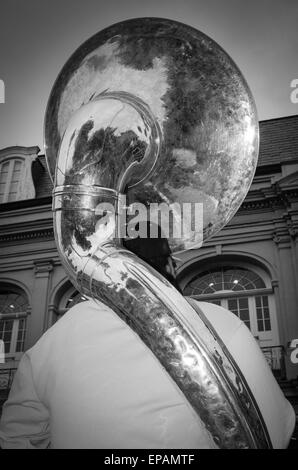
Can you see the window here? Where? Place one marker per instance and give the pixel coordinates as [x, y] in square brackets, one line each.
[240, 308]
[224, 279]
[74, 299]
[10, 177]
[70, 298]
[13, 312]
[242, 291]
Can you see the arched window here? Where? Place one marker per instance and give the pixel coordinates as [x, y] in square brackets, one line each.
[74, 299]
[69, 299]
[227, 279]
[63, 298]
[243, 291]
[10, 178]
[14, 307]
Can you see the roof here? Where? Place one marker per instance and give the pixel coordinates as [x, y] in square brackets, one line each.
[278, 144]
[278, 140]
[44, 184]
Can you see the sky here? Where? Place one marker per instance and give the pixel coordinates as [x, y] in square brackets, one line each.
[38, 36]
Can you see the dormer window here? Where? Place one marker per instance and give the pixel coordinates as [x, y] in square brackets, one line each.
[10, 178]
[16, 177]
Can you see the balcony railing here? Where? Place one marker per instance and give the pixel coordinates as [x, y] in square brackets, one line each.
[6, 378]
[275, 356]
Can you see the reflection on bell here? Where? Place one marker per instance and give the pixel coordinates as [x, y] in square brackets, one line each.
[205, 127]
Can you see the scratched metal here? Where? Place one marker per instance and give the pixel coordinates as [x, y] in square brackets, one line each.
[157, 109]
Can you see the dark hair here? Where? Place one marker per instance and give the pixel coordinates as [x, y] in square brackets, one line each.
[159, 263]
[154, 251]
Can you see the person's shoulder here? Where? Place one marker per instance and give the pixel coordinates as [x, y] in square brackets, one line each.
[70, 322]
[80, 311]
[64, 338]
[225, 322]
[210, 308]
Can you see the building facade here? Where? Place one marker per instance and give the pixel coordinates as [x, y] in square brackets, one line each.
[249, 267]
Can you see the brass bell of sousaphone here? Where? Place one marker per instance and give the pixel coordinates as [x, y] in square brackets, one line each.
[155, 110]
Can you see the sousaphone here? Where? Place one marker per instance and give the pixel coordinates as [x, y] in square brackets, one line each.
[155, 110]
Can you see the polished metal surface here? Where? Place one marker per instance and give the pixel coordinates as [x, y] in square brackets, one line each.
[155, 109]
[199, 100]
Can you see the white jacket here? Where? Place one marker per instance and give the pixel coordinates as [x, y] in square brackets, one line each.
[90, 382]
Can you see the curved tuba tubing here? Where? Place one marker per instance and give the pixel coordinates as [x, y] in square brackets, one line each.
[155, 110]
